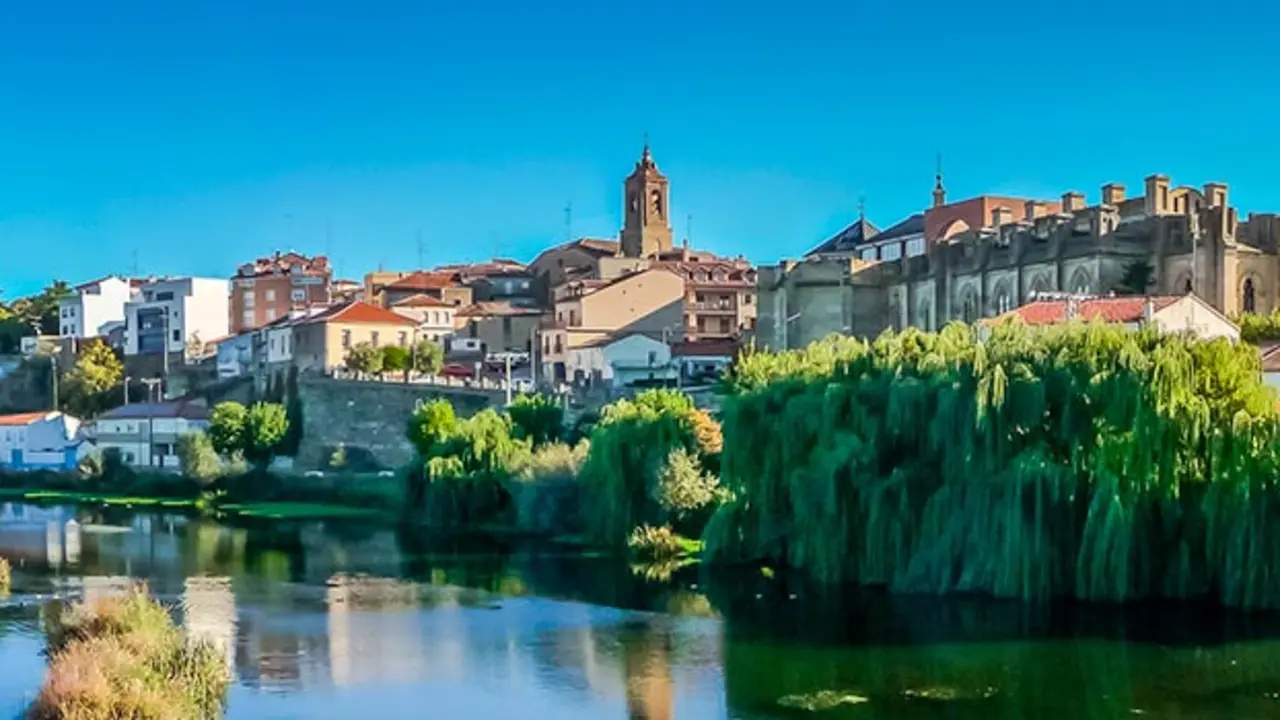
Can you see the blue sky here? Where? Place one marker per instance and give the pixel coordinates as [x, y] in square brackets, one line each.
[196, 135]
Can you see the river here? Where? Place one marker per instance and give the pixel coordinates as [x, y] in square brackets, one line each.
[345, 621]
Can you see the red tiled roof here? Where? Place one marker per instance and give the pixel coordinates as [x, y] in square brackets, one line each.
[86, 285]
[23, 418]
[421, 301]
[1116, 310]
[424, 281]
[357, 312]
[283, 263]
[608, 247]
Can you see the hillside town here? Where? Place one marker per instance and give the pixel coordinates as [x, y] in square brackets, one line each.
[593, 319]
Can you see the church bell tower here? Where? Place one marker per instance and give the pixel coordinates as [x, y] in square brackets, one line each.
[646, 226]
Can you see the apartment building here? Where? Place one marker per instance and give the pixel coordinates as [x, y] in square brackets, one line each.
[175, 314]
[388, 288]
[268, 288]
[94, 307]
[719, 293]
[146, 434]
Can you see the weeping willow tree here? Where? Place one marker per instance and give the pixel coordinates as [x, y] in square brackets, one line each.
[630, 447]
[1080, 460]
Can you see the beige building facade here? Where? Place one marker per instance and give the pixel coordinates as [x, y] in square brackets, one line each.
[1190, 238]
[321, 342]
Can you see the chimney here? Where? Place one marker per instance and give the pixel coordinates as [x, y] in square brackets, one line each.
[1072, 201]
[1156, 197]
[1001, 216]
[1034, 209]
[1112, 194]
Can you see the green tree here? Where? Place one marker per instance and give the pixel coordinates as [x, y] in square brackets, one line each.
[265, 427]
[40, 311]
[1138, 276]
[87, 385]
[365, 359]
[227, 428]
[427, 357]
[395, 359]
[537, 418]
[197, 458]
[431, 426]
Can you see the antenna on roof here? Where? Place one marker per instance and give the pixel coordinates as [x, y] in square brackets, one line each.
[328, 239]
[688, 230]
[862, 207]
[421, 249]
[568, 221]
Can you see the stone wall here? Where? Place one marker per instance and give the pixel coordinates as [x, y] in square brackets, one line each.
[370, 417]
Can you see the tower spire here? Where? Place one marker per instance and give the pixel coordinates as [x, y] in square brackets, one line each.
[862, 208]
[646, 157]
[939, 192]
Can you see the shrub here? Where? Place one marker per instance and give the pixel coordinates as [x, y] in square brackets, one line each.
[227, 428]
[546, 493]
[685, 492]
[659, 543]
[124, 658]
[197, 458]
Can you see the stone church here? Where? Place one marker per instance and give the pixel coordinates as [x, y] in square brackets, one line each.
[983, 256]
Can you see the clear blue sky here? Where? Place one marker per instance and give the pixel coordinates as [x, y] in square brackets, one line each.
[201, 133]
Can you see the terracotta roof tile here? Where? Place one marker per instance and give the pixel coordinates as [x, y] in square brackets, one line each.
[357, 312]
[421, 301]
[424, 281]
[497, 307]
[1116, 310]
[23, 418]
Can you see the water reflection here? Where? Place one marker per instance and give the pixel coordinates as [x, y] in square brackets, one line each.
[322, 621]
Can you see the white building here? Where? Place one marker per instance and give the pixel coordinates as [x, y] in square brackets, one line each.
[435, 317]
[94, 305]
[617, 361]
[235, 355]
[171, 313]
[146, 434]
[40, 441]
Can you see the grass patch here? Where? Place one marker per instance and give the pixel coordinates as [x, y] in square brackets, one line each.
[125, 658]
[299, 511]
[69, 496]
[661, 543]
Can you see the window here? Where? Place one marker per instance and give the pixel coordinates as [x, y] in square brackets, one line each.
[247, 318]
[298, 295]
[653, 357]
[270, 295]
[404, 338]
[892, 251]
[373, 338]
[271, 314]
[249, 298]
[1250, 299]
[726, 326]
[346, 339]
[868, 253]
[177, 336]
[746, 299]
[915, 247]
[164, 296]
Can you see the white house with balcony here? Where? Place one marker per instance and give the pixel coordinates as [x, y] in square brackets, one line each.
[616, 361]
[168, 314]
[435, 317]
[146, 434]
[41, 441]
[95, 305]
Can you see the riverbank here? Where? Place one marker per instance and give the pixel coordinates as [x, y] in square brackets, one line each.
[266, 496]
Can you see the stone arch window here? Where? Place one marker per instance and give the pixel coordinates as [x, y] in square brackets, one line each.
[968, 304]
[1040, 284]
[1002, 297]
[1248, 297]
[1081, 283]
[924, 314]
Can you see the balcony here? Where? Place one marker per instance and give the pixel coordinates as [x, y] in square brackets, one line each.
[724, 307]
